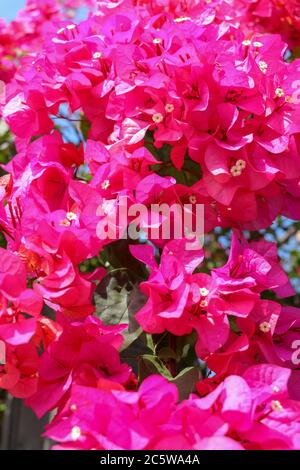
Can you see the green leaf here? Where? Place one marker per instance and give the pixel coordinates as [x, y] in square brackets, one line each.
[112, 309]
[118, 256]
[85, 126]
[3, 242]
[149, 365]
[135, 302]
[119, 305]
[184, 345]
[166, 353]
[233, 325]
[185, 381]
[150, 342]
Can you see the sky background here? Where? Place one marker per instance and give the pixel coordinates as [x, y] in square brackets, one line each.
[9, 8]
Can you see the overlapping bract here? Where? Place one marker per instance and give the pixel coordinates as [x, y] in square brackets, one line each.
[254, 410]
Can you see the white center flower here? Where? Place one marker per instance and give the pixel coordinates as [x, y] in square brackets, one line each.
[235, 170]
[279, 92]
[263, 66]
[203, 291]
[71, 216]
[276, 405]
[241, 164]
[169, 107]
[265, 327]
[105, 184]
[181, 19]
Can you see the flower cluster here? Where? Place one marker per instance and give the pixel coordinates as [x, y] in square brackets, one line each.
[26, 34]
[249, 412]
[228, 103]
[157, 102]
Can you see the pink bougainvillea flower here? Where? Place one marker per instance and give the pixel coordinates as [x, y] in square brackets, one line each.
[256, 265]
[12, 275]
[132, 422]
[257, 408]
[150, 102]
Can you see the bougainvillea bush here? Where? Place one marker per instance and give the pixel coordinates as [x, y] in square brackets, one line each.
[147, 342]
